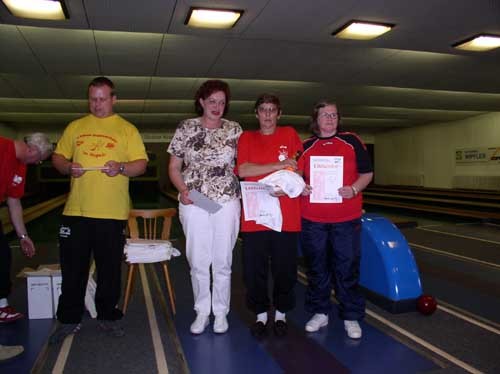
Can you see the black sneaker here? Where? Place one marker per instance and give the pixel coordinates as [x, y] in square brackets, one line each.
[280, 328]
[63, 330]
[259, 329]
[112, 328]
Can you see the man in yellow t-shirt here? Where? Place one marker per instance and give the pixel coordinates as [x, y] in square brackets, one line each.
[100, 152]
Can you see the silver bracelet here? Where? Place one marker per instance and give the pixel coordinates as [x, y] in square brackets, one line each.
[355, 190]
[23, 236]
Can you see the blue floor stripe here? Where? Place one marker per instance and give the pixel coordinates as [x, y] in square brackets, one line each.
[234, 352]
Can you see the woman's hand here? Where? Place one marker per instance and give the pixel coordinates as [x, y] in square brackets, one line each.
[347, 192]
[184, 197]
[288, 164]
[307, 190]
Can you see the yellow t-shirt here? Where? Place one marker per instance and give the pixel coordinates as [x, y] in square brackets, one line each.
[92, 141]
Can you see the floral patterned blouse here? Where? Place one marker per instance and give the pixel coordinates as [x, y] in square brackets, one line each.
[209, 157]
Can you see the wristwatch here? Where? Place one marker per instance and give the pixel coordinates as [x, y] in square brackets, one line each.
[23, 236]
[121, 169]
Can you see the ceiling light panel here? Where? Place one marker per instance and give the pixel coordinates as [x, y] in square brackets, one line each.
[480, 43]
[37, 9]
[359, 30]
[212, 18]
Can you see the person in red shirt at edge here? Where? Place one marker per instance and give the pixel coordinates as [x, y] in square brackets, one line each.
[330, 236]
[261, 152]
[16, 154]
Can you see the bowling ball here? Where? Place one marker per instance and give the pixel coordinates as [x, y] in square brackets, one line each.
[426, 304]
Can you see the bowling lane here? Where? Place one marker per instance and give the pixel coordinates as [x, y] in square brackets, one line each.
[477, 230]
[488, 251]
[470, 285]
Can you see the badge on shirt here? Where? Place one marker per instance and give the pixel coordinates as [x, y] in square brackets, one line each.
[283, 153]
[17, 180]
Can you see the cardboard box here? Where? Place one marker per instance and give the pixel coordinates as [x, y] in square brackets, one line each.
[43, 288]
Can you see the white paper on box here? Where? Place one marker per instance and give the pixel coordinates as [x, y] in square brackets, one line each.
[39, 297]
[56, 291]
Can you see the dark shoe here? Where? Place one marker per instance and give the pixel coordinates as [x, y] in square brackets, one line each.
[258, 329]
[112, 328]
[280, 328]
[63, 330]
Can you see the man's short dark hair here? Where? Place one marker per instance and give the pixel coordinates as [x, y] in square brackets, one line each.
[103, 81]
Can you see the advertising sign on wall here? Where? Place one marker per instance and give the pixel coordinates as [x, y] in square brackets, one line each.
[478, 154]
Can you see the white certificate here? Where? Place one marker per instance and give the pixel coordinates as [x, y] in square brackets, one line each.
[260, 206]
[253, 195]
[326, 177]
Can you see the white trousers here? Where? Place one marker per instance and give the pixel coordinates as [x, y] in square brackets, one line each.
[210, 239]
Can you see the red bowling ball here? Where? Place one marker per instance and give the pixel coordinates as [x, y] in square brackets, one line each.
[426, 304]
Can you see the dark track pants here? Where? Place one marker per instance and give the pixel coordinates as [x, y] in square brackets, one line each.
[332, 253]
[79, 237]
[280, 248]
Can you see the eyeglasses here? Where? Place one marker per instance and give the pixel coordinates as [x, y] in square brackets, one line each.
[271, 110]
[329, 115]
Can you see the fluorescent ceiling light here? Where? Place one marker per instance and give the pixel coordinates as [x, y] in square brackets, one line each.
[362, 30]
[479, 43]
[212, 18]
[38, 9]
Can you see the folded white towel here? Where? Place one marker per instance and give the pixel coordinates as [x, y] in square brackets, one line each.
[288, 181]
[149, 251]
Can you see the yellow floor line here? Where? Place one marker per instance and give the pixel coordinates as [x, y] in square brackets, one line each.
[455, 256]
[161, 361]
[458, 235]
[63, 355]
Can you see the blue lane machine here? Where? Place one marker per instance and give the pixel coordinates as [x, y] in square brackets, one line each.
[388, 273]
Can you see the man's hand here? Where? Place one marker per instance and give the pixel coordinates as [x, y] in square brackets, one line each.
[112, 168]
[27, 246]
[75, 170]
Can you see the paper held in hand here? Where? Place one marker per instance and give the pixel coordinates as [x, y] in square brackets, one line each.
[326, 177]
[89, 168]
[204, 202]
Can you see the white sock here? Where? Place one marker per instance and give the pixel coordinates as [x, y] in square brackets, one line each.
[262, 317]
[3, 303]
[279, 316]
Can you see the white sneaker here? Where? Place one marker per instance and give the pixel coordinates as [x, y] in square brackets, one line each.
[353, 329]
[220, 324]
[316, 322]
[199, 324]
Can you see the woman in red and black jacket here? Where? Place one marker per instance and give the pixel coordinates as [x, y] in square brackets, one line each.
[337, 167]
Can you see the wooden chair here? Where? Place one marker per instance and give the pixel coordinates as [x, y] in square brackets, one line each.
[151, 228]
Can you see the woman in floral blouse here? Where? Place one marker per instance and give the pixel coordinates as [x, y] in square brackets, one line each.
[202, 156]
